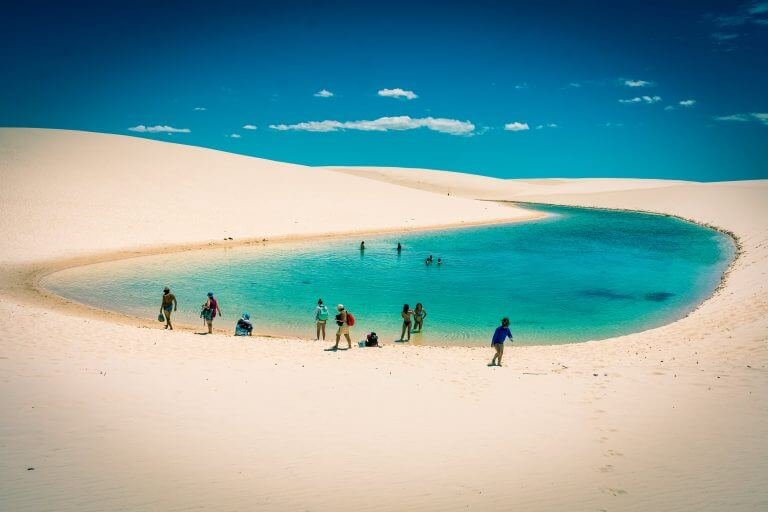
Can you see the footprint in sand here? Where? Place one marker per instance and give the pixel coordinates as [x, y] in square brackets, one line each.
[613, 492]
[605, 469]
[613, 453]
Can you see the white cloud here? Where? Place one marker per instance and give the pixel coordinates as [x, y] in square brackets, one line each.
[760, 117]
[250, 127]
[383, 124]
[548, 125]
[234, 135]
[687, 103]
[643, 99]
[523, 85]
[759, 8]
[574, 84]
[638, 83]
[323, 93]
[200, 108]
[722, 36]
[158, 129]
[516, 127]
[398, 93]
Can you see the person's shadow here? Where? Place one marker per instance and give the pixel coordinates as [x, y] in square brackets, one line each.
[334, 349]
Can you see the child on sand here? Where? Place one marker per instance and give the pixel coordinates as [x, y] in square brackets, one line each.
[499, 337]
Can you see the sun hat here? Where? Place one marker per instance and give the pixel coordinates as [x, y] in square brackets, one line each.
[340, 307]
[246, 316]
[210, 294]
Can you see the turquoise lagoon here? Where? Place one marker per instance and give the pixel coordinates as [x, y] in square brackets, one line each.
[579, 274]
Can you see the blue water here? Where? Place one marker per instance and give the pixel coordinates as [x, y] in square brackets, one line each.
[577, 275]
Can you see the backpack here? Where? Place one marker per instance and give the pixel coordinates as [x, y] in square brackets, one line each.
[350, 319]
[322, 315]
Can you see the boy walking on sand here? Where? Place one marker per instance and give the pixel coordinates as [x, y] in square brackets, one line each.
[499, 337]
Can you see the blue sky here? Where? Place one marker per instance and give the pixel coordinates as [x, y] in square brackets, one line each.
[509, 89]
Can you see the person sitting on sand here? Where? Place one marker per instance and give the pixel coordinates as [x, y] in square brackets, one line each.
[419, 314]
[499, 337]
[244, 326]
[321, 317]
[341, 321]
[167, 305]
[372, 340]
[406, 315]
[210, 310]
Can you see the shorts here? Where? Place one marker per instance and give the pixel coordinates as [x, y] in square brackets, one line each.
[343, 329]
[168, 308]
[321, 322]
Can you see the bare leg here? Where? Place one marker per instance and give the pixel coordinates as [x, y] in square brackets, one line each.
[408, 328]
[402, 334]
[168, 320]
[322, 327]
[349, 340]
[317, 337]
[338, 337]
[500, 351]
[210, 326]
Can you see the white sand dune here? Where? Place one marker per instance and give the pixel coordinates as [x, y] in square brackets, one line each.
[115, 417]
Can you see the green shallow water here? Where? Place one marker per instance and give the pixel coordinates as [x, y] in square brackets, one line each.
[577, 275]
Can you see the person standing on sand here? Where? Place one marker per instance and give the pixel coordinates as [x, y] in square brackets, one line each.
[210, 310]
[341, 321]
[497, 342]
[419, 314]
[406, 314]
[167, 305]
[321, 317]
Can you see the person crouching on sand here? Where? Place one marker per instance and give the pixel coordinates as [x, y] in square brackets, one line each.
[499, 337]
[210, 310]
[341, 321]
[167, 305]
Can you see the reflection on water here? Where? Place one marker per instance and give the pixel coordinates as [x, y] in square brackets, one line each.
[577, 275]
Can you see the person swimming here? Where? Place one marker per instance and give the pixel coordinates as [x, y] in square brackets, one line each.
[439, 261]
[362, 245]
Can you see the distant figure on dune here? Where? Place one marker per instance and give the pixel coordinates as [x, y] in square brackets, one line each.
[419, 314]
[210, 310]
[362, 245]
[343, 319]
[167, 305]
[499, 337]
[406, 315]
[244, 326]
[321, 317]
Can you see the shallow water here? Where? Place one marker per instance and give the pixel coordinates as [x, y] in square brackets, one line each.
[577, 275]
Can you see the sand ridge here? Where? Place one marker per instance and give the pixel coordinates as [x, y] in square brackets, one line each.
[115, 417]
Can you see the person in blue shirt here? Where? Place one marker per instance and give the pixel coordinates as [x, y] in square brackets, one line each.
[499, 337]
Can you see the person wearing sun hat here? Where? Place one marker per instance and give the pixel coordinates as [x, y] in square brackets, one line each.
[167, 305]
[210, 310]
[244, 326]
[341, 321]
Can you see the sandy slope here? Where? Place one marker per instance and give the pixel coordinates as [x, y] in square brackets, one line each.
[113, 417]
